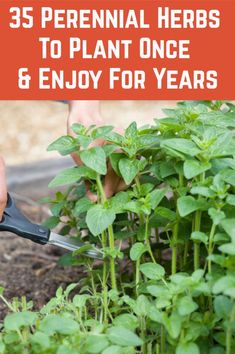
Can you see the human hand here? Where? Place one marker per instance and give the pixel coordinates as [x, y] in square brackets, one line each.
[3, 187]
[88, 113]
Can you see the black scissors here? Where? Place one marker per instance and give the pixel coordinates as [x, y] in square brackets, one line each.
[14, 221]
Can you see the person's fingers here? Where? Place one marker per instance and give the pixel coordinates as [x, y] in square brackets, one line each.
[89, 194]
[3, 187]
[110, 182]
[121, 186]
[84, 112]
[76, 158]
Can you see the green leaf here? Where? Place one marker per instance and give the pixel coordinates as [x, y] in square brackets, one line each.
[118, 202]
[95, 159]
[199, 237]
[126, 320]
[223, 306]
[187, 348]
[185, 146]
[193, 168]
[173, 324]
[98, 219]
[15, 321]
[83, 140]
[134, 207]
[82, 249]
[231, 199]
[131, 131]
[80, 300]
[145, 189]
[186, 306]
[64, 145]
[229, 227]
[152, 270]
[159, 291]
[167, 169]
[123, 337]
[78, 128]
[137, 250]
[115, 138]
[217, 350]
[109, 149]
[128, 169]
[72, 175]
[57, 208]
[228, 176]
[155, 315]
[82, 206]
[2, 348]
[96, 343]
[114, 159]
[216, 215]
[68, 176]
[228, 248]
[204, 191]
[187, 205]
[41, 339]
[51, 222]
[166, 213]
[101, 132]
[224, 283]
[156, 197]
[114, 349]
[52, 324]
[221, 238]
[142, 306]
[66, 349]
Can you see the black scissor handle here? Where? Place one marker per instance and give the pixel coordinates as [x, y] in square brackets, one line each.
[14, 221]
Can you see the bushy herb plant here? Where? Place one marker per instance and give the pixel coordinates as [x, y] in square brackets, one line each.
[166, 283]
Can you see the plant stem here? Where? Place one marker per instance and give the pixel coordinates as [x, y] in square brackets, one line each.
[143, 330]
[111, 235]
[101, 189]
[7, 303]
[196, 252]
[93, 283]
[112, 260]
[162, 340]
[137, 276]
[174, 247]
[197, 227]
[104, 281]
[175, 234]
[141, 216]
[210, 247]
[146, 237]
[229, 332]
[105, 263]
[158, 349]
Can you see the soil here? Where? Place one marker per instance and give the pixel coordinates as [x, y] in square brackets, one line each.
[31, 270]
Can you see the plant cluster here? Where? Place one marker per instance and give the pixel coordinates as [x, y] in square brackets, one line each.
[166, 283]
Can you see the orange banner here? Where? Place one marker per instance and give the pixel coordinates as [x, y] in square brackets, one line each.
[140, 49]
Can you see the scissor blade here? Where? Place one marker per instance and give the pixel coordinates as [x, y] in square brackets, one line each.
[71, 245]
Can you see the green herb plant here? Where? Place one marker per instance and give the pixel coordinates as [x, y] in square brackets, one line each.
[166, 283]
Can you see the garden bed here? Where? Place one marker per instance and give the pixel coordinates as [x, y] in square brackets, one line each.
[31, 270]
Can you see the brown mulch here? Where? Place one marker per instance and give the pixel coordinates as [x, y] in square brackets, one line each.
[31, 270]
